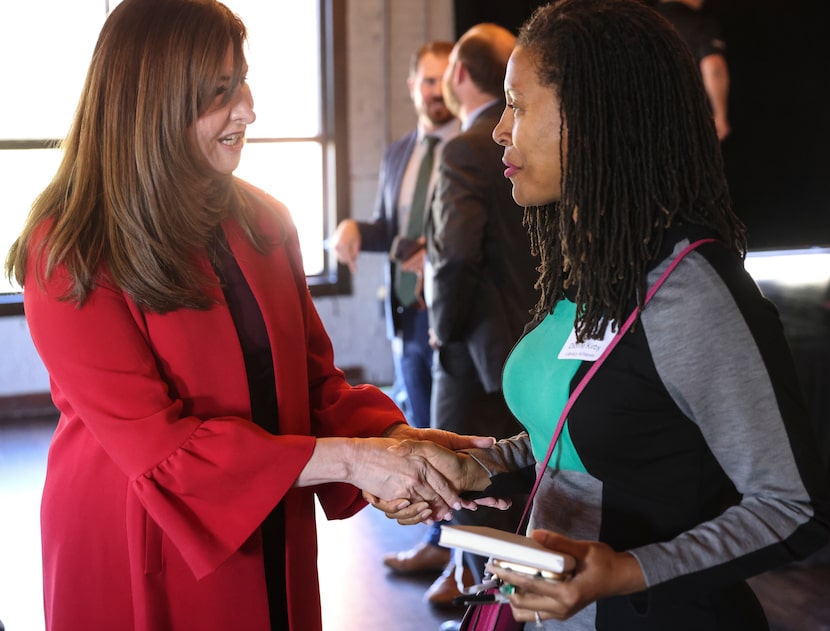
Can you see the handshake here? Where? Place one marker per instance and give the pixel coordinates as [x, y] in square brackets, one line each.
[422, 475]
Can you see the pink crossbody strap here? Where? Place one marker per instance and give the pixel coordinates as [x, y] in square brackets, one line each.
[587, 377]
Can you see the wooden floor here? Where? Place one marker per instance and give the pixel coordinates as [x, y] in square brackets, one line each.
[358, 594]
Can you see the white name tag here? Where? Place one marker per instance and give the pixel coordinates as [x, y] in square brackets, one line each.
[589, 350]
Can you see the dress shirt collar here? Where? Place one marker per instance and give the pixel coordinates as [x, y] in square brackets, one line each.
[475, 114]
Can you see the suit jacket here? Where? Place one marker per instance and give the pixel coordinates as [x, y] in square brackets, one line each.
[158, 479]
[377, 235]
[480, 251]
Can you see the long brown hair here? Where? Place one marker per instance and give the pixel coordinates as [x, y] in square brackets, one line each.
[642, 154]
[133, 196]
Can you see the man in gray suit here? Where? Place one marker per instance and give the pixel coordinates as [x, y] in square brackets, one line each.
[480, 274]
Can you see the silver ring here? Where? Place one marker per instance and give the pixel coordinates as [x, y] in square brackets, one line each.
[538, 619]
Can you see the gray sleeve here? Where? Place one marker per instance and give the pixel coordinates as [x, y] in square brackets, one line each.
[710, 360]
[507, 455]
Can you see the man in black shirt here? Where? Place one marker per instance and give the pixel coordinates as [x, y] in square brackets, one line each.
[703, 36]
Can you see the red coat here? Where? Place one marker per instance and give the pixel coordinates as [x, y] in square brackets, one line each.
[157, 479]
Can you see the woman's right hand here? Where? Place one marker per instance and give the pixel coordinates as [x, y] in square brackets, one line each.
[391, 469]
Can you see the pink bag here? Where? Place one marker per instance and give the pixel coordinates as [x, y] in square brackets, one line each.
[494, 617]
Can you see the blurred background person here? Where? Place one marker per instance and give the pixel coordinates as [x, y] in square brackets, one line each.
[702, 34]
[406, 318]
[414, 154]
[480, 271]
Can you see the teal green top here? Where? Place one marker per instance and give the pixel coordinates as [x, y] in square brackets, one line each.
[537, 385]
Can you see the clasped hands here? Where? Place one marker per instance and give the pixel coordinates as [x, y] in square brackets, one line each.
[438, 474]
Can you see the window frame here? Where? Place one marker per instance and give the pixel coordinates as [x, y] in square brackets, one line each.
[335, 279]
[333, 138]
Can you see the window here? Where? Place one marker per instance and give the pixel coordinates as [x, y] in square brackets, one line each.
[296, 149]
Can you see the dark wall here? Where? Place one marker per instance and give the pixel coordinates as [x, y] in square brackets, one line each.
[510, 14]
[778, 155]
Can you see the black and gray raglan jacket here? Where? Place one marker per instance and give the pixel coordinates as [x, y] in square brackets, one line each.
[690, 447]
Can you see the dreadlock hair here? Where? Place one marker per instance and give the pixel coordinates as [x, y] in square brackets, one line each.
[639, 154]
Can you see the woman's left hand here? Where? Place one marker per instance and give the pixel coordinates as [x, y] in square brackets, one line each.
[407, 513]
[450, 440]
[600, 572]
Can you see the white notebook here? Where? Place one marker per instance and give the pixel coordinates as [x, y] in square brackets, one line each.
[505, 546]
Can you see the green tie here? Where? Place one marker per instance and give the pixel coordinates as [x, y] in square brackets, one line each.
[405, 282]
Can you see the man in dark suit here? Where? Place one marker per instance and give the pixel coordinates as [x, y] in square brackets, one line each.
[480, 273]
[407, 325]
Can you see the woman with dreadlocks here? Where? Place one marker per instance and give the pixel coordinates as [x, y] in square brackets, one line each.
[686, 464]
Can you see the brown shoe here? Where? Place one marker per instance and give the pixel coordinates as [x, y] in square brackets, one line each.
[424, 557]
[446, 587]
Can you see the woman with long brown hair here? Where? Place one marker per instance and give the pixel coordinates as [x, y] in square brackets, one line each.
[201, 411]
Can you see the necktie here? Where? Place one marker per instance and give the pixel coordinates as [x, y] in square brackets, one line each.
[405, 282]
